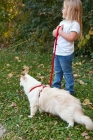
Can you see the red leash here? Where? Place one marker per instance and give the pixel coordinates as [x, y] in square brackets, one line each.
[52, 69]
[37, 86]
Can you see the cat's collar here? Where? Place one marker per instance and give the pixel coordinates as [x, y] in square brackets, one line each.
[36, 87]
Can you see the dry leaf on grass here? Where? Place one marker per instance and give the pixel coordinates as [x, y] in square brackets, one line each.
[19, 60]
[87, 137]
[84, 134]
[78, 63]
[81, 82]
[87, 102]
[91, 106]
[83, 61]
[41, 65]
[91, 72]
[68, 138]
[13, 104]
[7, 65]
[75, 75]
[10, 75]
[16, 57]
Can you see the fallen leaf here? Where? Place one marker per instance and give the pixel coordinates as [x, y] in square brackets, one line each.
[55, 123]
[10, 75]
[78, 63]
[84, 134]
[87, 102]
[7, 65]
[40, 77]
[83, 61]
[19, 60]
[41, 65]
[87, 137]
[75, 75]
[91, 106]
[81, 82]
[13, 104]
[16, 57]
[91, 72]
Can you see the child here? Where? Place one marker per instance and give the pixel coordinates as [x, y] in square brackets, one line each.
[70, 30]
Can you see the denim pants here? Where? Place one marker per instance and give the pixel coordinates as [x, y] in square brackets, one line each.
[63, 67]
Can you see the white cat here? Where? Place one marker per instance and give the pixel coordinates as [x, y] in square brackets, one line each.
[55, 101]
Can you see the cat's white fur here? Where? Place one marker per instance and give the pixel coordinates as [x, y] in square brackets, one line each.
[55, 101]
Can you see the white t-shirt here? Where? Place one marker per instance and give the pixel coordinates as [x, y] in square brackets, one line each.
[65, 47]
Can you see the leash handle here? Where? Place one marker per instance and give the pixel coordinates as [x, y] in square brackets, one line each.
[55, 44]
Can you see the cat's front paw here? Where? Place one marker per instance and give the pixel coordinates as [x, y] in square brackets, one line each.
[40, 110]
[30, 116]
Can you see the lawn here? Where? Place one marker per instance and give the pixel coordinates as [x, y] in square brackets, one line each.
[14, 105]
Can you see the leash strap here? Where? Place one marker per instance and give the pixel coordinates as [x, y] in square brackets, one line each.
[53, 57]
[37, 86]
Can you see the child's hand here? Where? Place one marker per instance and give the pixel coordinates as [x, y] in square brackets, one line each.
[61, 29]
[54, 32]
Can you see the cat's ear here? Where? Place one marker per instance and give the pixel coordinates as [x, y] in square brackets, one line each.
[21, 76]
[24, 78]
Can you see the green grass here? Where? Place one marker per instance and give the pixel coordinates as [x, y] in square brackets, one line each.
[14, 105]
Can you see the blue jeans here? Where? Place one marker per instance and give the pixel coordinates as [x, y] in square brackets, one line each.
[63, 67]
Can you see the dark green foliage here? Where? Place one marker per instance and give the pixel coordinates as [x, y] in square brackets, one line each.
[34, 21]
[43, 16]
[87, 15]
[87, 46]
[9, 9]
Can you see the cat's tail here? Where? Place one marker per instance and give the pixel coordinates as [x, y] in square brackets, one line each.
[80, 118]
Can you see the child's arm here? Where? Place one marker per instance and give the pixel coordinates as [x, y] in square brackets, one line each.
[54, 32]
[69, 37]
